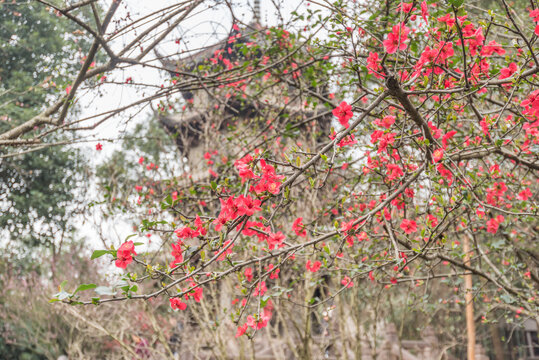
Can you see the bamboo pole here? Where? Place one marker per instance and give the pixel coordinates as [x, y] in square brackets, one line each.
[468, 285]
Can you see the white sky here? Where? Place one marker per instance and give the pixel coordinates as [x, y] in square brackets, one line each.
[197, 31]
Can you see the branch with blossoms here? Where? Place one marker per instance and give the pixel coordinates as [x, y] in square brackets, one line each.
[433, 142]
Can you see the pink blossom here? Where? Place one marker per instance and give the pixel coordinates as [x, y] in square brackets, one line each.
[408, 226]
[396, 40]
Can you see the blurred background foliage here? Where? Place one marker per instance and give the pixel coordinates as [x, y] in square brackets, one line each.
[40, 51]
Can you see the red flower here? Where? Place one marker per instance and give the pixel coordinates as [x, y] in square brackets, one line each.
[314, 267]
[247, 206]
[385, 122]
[185, 233]
[491, 48]
[177, 304]
[299, 228]
[274, 274]
[248, 274]
[396, 40]
[260, 289]
[531, 103]
[177, 253]
[447, 174]
[432, 220]
[275, 239]
[99, 147]
[196, 293]
[447, 137]
[221, 221]
[535, 15]
[348, 140]
[124, 254]
[525, 194]
[201, 230]
[437, 155]
[424, 11]
[373, 65]
[409, 226]
[494, 223]
[344, 113]
[405, 7]
[241, 330]
[385, 140]
[347, 282]
[269, 181]
[244, 169]
[448, 19]
[508, 71]
[394, 171]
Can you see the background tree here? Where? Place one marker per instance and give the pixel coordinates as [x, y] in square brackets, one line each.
[38, 189]
[332, 172]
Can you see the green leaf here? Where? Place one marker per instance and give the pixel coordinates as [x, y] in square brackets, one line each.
[326, 249]
[264, 301]
[99, 253]
[130, 236]
[456, 3]
[84, 287]
[63, 284]
[508, 299]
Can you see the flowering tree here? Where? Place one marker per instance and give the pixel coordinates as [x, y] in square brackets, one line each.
[349, 149]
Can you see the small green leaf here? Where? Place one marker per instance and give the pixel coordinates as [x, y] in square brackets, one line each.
[99, 253]
[63, 284]
[84, 287]
[130, 236]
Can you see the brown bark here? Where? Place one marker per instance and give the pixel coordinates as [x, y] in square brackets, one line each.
[496, 341]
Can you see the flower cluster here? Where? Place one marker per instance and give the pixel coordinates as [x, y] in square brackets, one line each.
[396, 40]
[233, 207]
[124, 254]
[344, 113]
[257, 322]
